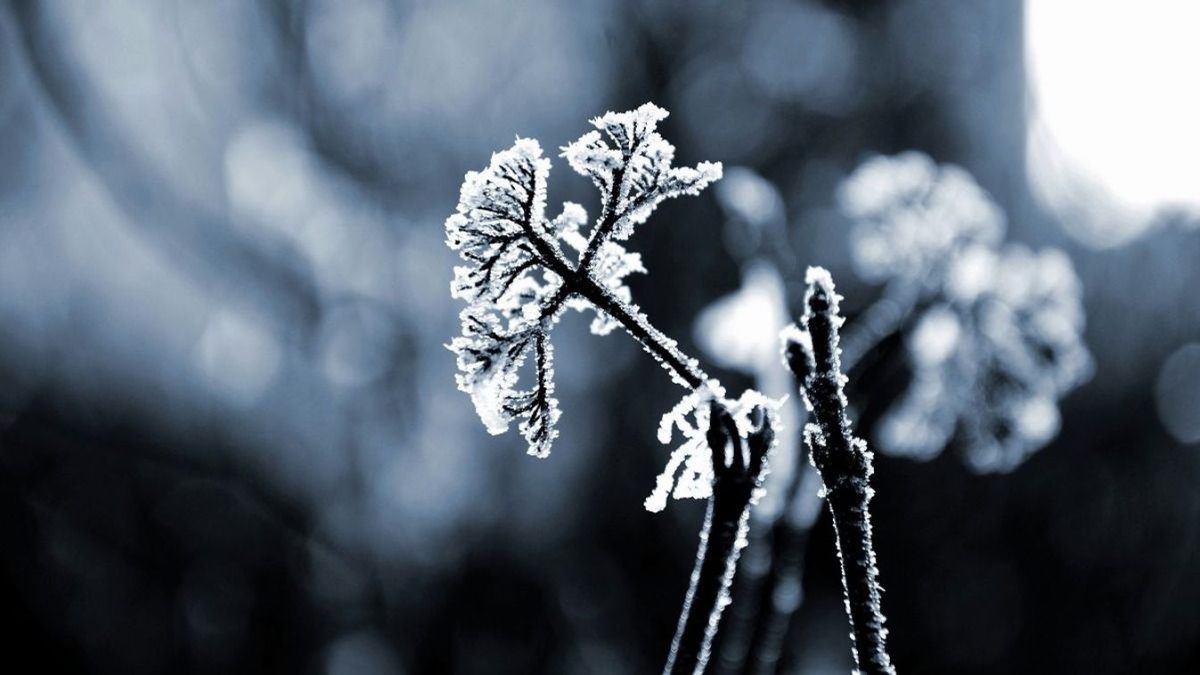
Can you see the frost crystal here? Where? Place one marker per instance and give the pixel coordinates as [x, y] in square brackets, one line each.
[632, 168]
[909, 213]
[689, 472]
[517, 281]
[499, 226]
[991, 363]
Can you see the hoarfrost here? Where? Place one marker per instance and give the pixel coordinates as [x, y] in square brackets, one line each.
[634, 172]
[517, 280]
[689, 472]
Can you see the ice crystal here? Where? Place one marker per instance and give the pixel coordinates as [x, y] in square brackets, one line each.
[689, 473]
[909, 213]
[991, 362]
[632, 168]
[517, 280]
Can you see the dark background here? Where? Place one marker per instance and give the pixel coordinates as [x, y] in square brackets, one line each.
[229, 435]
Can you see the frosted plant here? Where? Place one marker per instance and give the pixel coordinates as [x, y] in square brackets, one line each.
[910, 213]
[812, 352]
[518, 280]
[991, 361]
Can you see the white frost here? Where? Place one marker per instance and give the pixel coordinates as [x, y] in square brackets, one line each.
[689, 472]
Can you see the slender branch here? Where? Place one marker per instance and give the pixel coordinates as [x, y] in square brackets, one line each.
[609, 220]
[845, 467]
[651, 338]
[738, 473]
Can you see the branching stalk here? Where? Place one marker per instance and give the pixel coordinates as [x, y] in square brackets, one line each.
[738, 466]
[845, 467]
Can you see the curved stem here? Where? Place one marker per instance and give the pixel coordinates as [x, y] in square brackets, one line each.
[722, 538]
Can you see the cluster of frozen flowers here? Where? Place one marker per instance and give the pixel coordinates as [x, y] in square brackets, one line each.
[999, 341]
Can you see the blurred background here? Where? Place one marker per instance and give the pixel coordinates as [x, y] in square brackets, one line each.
[230, 440]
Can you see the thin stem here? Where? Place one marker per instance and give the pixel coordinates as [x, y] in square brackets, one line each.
[636, 325]
[722, 537]
[845, 467]
[783, 590]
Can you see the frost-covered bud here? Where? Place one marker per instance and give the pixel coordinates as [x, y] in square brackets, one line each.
[991, 363]
[909, 214]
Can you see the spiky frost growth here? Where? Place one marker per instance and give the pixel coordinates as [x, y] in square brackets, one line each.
[910, 213]
[845, 466]
[737, 440]
[692, 460]
[517, 279]
[517, 282]
[631, 166]
[991, 362]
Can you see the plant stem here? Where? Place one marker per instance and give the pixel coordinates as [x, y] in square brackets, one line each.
[722, 538]
[845, 467]
[783, 590]
[651, 338]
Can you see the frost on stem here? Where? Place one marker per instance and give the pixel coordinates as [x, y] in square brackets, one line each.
[737, 441]
[692, 460]
[517, 279]
[844, 463]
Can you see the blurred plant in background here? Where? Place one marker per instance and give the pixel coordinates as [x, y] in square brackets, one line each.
[993, 335]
